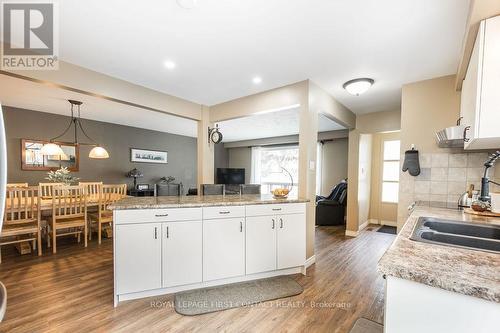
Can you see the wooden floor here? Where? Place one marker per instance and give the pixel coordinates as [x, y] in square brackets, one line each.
[72, 291]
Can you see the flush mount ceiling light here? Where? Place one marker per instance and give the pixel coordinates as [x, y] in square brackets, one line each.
[257, 80]
[52, 148]
[187, 4]
[169, 64]
[357, 87]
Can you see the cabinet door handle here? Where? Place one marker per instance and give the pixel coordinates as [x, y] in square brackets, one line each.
[156, 232]
[224, 212]
[161, 215]
[276, 209]
[167, 231]
[241, 226]
[273, 223]
[281, 223]
[465, 134]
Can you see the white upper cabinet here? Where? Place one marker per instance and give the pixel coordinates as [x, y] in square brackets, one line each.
[480, 100]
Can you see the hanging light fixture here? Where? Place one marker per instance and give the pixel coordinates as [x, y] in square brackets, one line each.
[52, 148]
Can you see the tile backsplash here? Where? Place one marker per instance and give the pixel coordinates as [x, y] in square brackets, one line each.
[443, 178]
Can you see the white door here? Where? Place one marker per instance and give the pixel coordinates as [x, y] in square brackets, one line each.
[138, 257]
[291, 240]
[260, 244]
[223, 248]
[182, 253]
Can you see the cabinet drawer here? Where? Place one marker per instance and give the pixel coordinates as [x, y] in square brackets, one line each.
[128, 216]
[275, 209]
[223, 212]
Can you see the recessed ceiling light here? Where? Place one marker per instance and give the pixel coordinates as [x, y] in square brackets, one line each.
[169, 64]
[257, 80]
[187, 4]
[357, 87]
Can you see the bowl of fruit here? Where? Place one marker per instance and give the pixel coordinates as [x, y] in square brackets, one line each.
[280, 193]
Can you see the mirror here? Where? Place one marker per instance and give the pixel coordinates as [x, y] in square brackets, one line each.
[32, 159]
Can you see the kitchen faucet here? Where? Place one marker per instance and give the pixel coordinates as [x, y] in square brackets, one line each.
[485, 181]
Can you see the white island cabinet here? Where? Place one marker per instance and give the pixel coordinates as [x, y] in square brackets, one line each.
[165, 250]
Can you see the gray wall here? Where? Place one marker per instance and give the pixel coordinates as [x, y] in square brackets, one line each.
[221, 158]
[241, 158]
[117, 139]
[334, 164]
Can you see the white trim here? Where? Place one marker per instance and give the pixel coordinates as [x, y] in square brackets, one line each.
[389, 223]
[351, 233]
[310, 261]
[364, 225]
[170, 290]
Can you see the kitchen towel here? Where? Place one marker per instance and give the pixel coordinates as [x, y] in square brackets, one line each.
[411, 163]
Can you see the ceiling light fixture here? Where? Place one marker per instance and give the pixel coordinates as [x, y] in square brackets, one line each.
[52, 148]
[257, 80]
[357, 87]
[169, 64]
[187, 4]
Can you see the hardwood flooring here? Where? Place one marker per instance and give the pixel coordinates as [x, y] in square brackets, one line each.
[72, 291]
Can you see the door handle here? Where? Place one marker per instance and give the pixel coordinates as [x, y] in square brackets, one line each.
[156, 232]
[273, 223]
[281, 223]
[161, 215]
[224, 212]
[241, 226]
[167, 231]
[276, 209]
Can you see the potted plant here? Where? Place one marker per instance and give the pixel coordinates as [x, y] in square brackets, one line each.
[62, 175]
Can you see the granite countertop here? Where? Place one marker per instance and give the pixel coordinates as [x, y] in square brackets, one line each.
[469, 272]
[199, 201]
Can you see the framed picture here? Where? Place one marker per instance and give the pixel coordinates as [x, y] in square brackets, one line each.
[142, 187]
[32, 158]
[148, 156]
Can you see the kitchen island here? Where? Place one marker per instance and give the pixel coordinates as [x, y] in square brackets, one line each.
[437, 288]
[164, 245]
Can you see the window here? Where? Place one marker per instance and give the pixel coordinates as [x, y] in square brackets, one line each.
[390, 171]
[275, 167]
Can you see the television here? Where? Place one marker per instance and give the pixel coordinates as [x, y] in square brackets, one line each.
[230, 176]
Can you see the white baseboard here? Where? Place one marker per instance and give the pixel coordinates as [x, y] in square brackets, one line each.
[310, 261]
[350, 233]
[364, 225]
[389, 223]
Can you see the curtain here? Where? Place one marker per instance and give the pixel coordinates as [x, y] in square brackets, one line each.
[255, 167]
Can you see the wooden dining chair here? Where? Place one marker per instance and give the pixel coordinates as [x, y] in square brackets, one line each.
[91, 188]
[69, 213]
[45, 190]
[104, 216]
[21, 222]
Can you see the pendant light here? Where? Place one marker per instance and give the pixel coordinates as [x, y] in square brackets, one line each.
[52, 148]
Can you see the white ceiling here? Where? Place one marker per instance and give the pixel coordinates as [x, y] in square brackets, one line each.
[220, 45]
[34, 96]
[267, 125]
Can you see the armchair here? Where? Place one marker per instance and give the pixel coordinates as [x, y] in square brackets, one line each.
[330, 210]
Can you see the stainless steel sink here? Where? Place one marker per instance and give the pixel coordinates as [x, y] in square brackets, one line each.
[483, 237]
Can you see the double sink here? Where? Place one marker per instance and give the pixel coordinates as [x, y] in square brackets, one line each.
[475, 236]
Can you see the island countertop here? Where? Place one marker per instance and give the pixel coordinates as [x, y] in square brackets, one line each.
[465, 271]
[199, 201]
